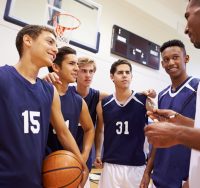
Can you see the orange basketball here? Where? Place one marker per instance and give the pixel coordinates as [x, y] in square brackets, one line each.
[61, 169]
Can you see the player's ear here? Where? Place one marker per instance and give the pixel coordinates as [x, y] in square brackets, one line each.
[55, 67]
[111, 77]
[162, 63]
[187, 58]
[27, 40]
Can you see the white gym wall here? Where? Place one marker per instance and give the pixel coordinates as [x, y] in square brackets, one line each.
[151, 19]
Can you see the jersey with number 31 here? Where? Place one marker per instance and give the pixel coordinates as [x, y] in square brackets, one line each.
[24, 121]
[124, 130]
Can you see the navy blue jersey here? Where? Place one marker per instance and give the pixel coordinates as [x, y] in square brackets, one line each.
[124, 130]
[171, 165]
[24, 124]
[71, 106]
[92, 100]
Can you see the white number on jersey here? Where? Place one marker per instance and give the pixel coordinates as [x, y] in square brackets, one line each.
[67, 125]
[122, 128]
[29, 116]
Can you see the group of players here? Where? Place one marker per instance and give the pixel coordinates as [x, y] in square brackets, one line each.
[38, 117]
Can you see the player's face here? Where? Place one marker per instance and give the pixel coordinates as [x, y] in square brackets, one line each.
[69, 69]
[193, 23]
[85, 75]
[43, 49]
[122, 77]
[174, 61]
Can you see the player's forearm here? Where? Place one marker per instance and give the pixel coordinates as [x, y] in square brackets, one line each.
[99, 132]
[88, 140]
[98, 143]
[150, 162]
[189, 137]
[185, 121]
[67, 141]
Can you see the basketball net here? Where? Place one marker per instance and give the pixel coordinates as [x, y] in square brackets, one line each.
[64, 24]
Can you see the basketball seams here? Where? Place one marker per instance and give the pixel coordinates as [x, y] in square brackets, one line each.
[63, 168]
[50, 171]
[64, 154]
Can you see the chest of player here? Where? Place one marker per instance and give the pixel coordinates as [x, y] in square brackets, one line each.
[127, 119]
[183, 102]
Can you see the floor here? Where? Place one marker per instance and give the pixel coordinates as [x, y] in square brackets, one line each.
[94, 177]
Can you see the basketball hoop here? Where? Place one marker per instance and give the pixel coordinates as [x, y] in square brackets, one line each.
[64, 24]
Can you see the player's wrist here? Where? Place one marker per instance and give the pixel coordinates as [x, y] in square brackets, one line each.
[175, 115]
[147, 172]
[98, 154]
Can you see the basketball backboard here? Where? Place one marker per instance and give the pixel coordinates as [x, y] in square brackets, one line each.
[41, 12]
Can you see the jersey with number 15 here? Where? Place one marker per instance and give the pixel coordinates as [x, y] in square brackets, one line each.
[24, 121]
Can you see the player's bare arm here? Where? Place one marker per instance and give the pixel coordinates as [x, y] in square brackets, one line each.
[149, 167]
[102, 95]
[150, 93]
[99, 136]
[88, 128]
[164, 134]
[63, 133]
[170, 116]
[52, 78]
[150, 105]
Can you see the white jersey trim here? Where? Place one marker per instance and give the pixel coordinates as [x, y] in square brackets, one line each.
[109, 101]
[127, 101]
[179, 90]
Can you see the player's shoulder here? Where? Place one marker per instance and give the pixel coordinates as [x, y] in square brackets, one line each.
[5, 69]
[93, 96]
[94, 90]
[164, 91]
[46, 86]
[72, 90]
[6, 76]
[194, 82]
[107, 99]
[194, 79]
[138, 96]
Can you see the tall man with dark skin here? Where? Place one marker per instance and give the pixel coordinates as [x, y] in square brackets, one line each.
[178, 130]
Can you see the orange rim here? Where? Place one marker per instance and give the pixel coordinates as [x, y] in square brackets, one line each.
[60, 29]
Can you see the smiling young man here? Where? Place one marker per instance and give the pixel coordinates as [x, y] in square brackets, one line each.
[171, 133]
[180, 96]
[27, 104]
[74, 108]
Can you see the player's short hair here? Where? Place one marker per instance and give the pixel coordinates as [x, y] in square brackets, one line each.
[194, 2]
[117, 63]
[172, 43]
[33, 31]
[87, 61]
[62, 52]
